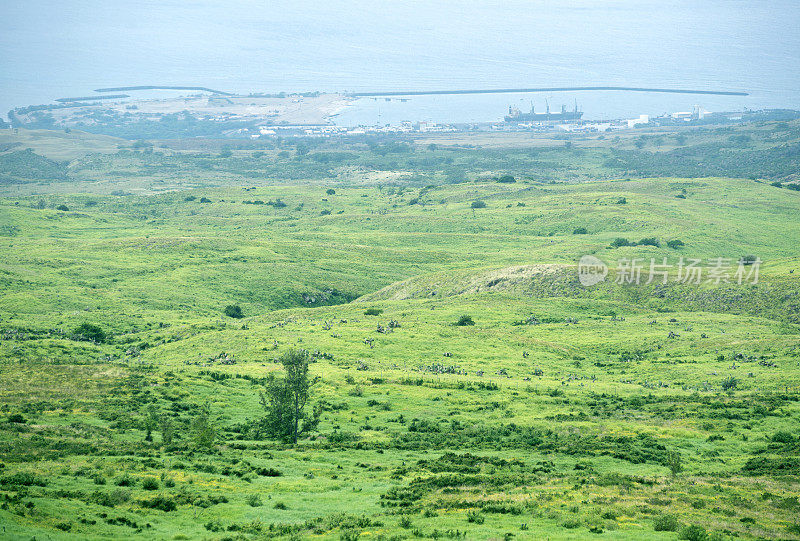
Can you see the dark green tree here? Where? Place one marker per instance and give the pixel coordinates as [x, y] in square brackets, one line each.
[285, 399]
[167, 430]
[90, 332]
[478, 204]
[150, 421]
[203, 430]
[674, 462]
[234, 311]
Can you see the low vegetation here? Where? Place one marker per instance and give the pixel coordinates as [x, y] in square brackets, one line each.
[260, 357]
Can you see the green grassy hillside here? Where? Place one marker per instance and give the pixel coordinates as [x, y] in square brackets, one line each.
[466, 384]
[163, 258]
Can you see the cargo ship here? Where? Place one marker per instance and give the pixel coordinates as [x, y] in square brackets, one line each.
[515, 115]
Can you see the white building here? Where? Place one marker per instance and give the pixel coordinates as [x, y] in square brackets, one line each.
[643, 119]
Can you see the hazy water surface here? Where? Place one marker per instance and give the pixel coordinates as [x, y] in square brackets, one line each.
[51, 49]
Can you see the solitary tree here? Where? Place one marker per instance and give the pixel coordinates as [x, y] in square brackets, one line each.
[674, 462]
[285, 399]
[90, 332]
[234, 311]
[203, 430]
[151, 420]
[167, 430]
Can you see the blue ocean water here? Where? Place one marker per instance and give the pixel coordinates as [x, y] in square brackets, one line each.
[52, 48]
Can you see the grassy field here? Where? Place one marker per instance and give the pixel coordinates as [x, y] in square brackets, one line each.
[618, 411]
[58, 145]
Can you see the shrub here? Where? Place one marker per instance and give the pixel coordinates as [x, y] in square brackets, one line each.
[783, 437]
[730, 383]
[464, 321]
[234, 311]
[90, 332]
[475, 518]
[622, 201]
[666, 523]
[189, 198]
[110, 499]
[619, 242]
[62, 207]
[280, 505]
[693, 533]
[16, 418]
[478, 204]
[150, 483]
[373, 312]
[205, 200]
[254, 500]
[330, 191]
[325, 212]
[125, 481]
[649, 241]
[268, 472]
[507, 179]
[22, 479]
[675, 244]
[749, 259]
[161, 503]
[772, 466]
[580, 231]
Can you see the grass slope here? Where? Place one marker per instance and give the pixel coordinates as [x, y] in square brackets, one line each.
[618, 411]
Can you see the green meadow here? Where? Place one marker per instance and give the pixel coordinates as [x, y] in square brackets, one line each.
[465, 383]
